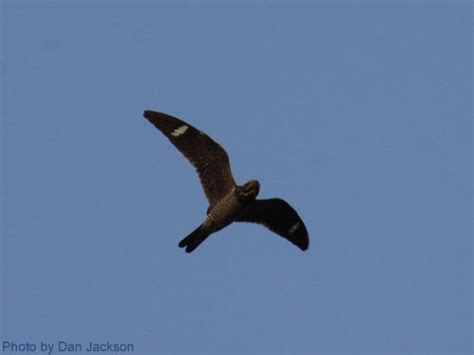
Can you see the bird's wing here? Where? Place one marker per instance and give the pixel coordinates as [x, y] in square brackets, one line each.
[278, 216]
[208, 157]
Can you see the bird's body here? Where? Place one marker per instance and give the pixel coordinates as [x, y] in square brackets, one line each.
[224, 212]
[228, 202]
[228, 209]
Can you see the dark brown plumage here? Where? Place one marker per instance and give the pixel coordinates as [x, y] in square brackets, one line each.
[228, 202]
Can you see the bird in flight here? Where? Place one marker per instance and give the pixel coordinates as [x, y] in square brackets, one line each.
[228, 202]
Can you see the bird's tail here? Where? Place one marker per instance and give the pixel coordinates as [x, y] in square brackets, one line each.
[193, 240]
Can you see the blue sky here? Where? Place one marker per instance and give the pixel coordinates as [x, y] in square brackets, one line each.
[357, 113]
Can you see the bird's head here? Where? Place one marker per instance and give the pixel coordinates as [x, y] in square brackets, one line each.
[250, 189]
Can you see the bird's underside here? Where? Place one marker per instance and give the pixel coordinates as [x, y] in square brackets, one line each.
[228, 202]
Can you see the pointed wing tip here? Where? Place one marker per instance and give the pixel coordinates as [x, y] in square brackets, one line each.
[303, 244]
[147, 114]
[304, 247]
[305, 240]
[155, 117]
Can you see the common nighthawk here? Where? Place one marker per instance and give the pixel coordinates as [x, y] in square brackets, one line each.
[228, 202]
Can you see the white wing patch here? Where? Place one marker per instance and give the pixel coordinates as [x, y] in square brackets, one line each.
[179, 131]
[294, 228]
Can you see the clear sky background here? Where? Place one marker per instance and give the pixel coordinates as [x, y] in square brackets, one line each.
[358, 114]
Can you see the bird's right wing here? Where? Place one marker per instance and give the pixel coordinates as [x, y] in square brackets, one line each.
[208, 157]
[278, 216]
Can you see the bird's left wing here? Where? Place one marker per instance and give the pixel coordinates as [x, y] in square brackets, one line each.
[278, 216]
[209, 158]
